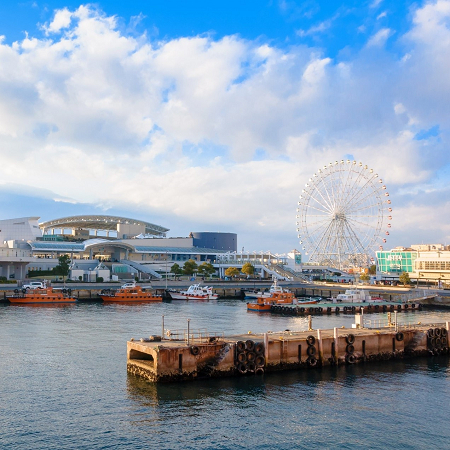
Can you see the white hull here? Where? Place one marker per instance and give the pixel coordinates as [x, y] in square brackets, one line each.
[195, 292]
[258, 294]
[179, 296]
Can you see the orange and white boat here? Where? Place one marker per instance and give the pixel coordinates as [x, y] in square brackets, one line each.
[277, 298]
[44, 295]
[129, 292]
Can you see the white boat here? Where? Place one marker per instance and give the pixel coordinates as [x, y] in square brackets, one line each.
[356, 296]
[194, 292]
[274, 289]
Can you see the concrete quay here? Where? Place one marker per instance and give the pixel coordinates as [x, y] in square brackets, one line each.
[167, 359]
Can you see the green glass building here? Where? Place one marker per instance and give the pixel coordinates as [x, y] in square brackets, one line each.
[396, 262]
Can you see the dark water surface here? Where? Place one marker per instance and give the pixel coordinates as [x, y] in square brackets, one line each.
[64, 385]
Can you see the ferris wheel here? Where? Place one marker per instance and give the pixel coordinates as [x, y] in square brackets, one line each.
[343, 215]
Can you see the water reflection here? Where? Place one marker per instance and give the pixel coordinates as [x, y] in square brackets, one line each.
[348, 377]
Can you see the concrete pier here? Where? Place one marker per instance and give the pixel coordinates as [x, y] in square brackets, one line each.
[160, 360]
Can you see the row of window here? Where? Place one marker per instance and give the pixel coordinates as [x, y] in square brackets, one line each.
[432, 265]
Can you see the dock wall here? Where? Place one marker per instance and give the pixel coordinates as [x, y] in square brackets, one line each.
[252, 354]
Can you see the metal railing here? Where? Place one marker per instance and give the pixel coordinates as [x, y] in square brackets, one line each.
[415, 295]
[202, 336]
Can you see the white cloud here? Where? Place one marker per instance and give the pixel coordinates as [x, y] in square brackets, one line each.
[173, 126]
[379, 38]
[61, 20]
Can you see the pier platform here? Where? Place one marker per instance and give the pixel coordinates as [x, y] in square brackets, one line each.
[172, 358]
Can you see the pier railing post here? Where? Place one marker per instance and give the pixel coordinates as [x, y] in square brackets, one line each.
[336, 346]
[162, 328]
[188, 330]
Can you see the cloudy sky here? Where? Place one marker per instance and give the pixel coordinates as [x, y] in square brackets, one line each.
[212, 116]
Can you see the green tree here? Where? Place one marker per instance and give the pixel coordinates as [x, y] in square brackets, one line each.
[404, 278]
[373, 269]
[365, 277]
[63, 266]
[206, 269]
[248, 269]
[189, 267]
[231, 272]
[176, 270]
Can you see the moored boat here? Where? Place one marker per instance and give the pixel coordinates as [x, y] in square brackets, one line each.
[260, 305]
[356, 296]
[43, 295]
[194, 292]
[130, 292]
[277, 298]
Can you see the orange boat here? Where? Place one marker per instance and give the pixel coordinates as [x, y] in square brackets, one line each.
[277, 298]
[45, 295]
[130, 293]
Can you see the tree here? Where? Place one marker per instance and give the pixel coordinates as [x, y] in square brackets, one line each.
[364, 277]
[404, 278]
[248, 269]
[373, 269]
[176, 270]
[231, 272]
[206, 269]
[189, 267]
[63, 266]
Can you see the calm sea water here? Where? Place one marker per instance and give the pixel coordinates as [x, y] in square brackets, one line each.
[64, 385]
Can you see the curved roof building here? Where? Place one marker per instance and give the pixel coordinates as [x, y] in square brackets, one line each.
[123, 226]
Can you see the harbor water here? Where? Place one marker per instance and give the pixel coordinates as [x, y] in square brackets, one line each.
[64, 385]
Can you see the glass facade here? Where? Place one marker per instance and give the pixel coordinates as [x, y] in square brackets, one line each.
[396, 262]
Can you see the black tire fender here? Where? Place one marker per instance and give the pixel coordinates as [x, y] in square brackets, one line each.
[350, 338]
[311, 361]
[240, 346]
[350, 349]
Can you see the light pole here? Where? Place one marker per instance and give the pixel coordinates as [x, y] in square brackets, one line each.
[166, 271]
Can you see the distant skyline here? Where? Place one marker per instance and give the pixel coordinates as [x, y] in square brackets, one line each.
[212, 116]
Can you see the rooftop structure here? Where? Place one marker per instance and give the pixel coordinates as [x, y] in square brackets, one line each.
[113, 226]
[21, 229]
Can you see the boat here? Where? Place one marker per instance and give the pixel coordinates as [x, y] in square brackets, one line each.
[46, 294]
[130, 292]
[194, 292]
[260, 305]
[277, 298]
[356, 296]
[255, 293]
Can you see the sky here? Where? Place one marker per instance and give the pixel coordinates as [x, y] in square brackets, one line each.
[212, 116]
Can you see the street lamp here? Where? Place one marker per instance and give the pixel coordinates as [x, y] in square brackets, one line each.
[166, 271]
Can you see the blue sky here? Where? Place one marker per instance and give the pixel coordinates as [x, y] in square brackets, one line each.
[211, 116]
